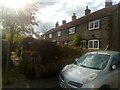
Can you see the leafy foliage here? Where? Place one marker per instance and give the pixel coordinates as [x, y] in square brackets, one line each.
[17, 24]
[42, 57]
[76, 40]
[48, 51]
[20, 21]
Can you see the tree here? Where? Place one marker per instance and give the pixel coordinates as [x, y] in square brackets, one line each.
[76, 40]
[17, 23]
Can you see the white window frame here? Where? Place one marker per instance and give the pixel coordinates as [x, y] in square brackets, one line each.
[72, 30]
[93, 44]
[59, 33]
[58, 43]
[92, 24]
[84, 43]
[54, 41]
[65, 43]
[70, 43]
[44, 37]
[50, 35]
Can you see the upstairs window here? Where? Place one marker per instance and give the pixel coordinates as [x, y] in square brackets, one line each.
[59, 33]
[94, 24]
[93, 44]
[72, 30]
[50, 35]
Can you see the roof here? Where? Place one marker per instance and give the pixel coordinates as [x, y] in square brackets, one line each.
[92, 16]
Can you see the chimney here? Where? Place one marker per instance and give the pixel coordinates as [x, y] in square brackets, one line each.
[64, 22]
[108, 3]
[87, 11]
[57, 24]
[73, 17]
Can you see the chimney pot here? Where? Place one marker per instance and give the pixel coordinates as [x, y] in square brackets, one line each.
[73, 17]
[64, 22]
[73, 14]
[108, 3]
[86, 7]
[57, 24]
[87, 11]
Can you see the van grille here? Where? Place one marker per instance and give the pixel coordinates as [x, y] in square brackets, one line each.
[61, 76]
[75, 84]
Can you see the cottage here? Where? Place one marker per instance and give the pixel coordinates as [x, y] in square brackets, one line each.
[97, 30]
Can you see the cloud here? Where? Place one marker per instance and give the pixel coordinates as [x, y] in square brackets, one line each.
[52, 11]
[45, 4]
[43, 27]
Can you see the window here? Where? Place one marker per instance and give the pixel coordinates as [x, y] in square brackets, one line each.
[59, 33]
[91, 25]
[93, 44]
[65, 43]
[93, 61]
[83, 43]
[116, 60]
[70, 42]
[44, 37]
[54, 41]
[94, 24]
[58, 43]
[72, 30]
[50, 35]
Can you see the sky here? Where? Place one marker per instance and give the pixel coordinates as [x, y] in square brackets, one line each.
[52, 11]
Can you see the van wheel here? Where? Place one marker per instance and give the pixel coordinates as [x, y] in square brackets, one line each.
[105, 87]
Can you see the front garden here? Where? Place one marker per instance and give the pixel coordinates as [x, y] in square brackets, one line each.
[40, 59]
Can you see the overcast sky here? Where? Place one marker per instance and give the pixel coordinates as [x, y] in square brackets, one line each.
[52, 11]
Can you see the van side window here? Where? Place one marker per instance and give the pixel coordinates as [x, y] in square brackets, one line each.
[116, 61]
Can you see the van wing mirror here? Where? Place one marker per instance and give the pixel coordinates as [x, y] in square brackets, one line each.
[76, 59]
[75, 62]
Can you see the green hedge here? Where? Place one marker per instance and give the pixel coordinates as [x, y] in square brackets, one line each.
[53, 58]
[48, 51]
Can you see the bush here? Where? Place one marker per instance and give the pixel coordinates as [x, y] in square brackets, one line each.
[70, 52]
[76, 40]
[48, 51]
[68, 55]
[50, 69]
[9, 77]
[50, 57]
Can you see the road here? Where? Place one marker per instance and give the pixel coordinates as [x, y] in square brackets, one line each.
[43, 83]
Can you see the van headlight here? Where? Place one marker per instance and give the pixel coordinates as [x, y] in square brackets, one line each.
[65, 68]
[89, 78]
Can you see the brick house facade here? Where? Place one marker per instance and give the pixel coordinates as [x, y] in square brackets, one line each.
[97, 30]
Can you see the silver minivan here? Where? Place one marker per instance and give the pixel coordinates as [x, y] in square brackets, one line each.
[93, 70]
